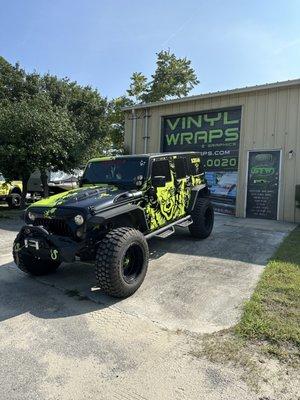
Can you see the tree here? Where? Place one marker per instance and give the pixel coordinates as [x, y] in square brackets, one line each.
[15, 84]
[173, 77]
[34, 134]
[35, 110]
[86, 108]
[116, 121]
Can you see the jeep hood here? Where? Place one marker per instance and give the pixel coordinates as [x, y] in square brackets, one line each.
[97, 197]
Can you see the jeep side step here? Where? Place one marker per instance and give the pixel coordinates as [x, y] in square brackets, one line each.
[186, 223]
[166, 233]
[168, 230]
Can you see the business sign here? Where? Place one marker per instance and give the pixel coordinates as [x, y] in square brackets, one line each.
[263, 184]
[216, 135]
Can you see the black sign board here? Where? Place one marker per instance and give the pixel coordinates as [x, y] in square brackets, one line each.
[216, 135]
[263, 184]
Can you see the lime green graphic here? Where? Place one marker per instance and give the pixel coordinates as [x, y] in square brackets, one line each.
[262, 170]
[171, 200]
[54, 254]
[52, 202]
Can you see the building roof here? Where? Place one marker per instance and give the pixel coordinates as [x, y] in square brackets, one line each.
[145, 155]
[275, 85]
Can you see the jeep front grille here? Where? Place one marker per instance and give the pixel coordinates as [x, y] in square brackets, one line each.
[54, 225]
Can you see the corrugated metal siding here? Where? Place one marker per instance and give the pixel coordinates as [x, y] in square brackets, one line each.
[270, 120]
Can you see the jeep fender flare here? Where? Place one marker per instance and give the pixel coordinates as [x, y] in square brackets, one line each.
[197, 191]
[133, 211]
[15, 190]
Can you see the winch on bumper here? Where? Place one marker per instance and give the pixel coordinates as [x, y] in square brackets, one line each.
[38, 242]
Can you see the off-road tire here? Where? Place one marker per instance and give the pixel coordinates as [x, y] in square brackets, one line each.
[14, 200]
[34, 266]
[203, 219]
[110, 261]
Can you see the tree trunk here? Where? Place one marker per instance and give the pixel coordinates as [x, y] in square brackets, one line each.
[44, 179]
[25, 180]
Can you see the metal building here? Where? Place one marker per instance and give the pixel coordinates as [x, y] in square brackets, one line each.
[249, 139]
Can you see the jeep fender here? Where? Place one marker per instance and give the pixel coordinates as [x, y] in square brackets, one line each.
[15, 190]
[134, 213]
[197, 191]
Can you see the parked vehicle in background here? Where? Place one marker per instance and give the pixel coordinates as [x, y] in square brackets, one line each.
[123, 201]
[10, 192]
[58, 182]
[61, 181]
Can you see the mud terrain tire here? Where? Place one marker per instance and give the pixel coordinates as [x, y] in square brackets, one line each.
[203, 219]
[121, 262]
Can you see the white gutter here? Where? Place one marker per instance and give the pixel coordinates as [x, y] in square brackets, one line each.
[146, 137]
[133, 140]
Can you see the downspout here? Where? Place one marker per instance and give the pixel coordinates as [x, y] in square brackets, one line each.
[133, 139]
[146, 131]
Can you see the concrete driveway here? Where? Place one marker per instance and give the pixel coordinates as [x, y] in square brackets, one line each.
[53, 346]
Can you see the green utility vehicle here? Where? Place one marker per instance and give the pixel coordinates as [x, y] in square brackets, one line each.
[122, 202]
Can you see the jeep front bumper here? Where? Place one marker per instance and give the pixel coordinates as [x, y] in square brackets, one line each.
[36, 241]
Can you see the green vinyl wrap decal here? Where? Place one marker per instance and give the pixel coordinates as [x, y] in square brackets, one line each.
[171, 201]
[52, 202]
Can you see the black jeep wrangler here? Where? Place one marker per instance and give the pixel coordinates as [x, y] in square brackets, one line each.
[122, 201]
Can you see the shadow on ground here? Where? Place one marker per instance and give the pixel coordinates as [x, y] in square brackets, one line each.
[195, 285]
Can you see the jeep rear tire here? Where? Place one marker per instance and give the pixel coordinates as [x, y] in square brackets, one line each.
[121, 262]
[203, 219]
[14, 200]
[34, 266]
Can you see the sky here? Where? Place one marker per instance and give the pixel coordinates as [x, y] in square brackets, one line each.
[102, 42]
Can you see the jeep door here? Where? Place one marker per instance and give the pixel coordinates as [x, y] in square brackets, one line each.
[179, 168]
[161, 207]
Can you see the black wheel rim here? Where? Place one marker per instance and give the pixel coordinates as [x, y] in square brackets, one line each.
[16, 201]
[208, 219]
[132, 263]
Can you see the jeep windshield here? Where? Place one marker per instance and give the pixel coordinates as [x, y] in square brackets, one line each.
[122, 172]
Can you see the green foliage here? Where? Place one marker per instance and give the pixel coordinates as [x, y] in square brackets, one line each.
[116, 121]
[15, 84]
[173, 77]
[35, 134]
[47, 122]
[87, 109]
[138, 86]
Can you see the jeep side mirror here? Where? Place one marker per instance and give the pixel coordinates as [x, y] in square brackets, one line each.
[159, 181]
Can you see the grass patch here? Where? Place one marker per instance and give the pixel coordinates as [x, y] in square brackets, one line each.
[273, 313]
[227, 348]
[265, 344]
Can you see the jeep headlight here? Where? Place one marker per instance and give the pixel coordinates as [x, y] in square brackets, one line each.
[31, 216]
[78, 219]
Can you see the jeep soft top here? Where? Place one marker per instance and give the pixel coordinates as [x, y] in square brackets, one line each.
[122, 202]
